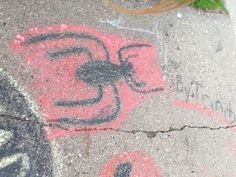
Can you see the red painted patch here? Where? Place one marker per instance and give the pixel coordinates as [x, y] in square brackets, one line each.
[57, 54]
[140, 165]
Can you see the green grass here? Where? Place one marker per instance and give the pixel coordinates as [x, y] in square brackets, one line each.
[209, 5]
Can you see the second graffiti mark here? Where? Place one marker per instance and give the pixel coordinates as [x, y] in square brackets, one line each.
[194, 92]
[131, 164]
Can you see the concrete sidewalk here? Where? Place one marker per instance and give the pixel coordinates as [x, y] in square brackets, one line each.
[88, 92]
[231, 6]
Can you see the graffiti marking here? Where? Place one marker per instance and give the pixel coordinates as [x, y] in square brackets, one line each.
[82, 71]
[123, 170]
[130, 164]
[118, 24]
[10, 160]
[23, 151]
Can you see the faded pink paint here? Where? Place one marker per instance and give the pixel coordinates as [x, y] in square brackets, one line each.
[142, 165]
[231, 146]
[206, 111]
[214, 116]
[54, 79]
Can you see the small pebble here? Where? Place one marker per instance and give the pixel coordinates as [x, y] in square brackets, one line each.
[179, 15]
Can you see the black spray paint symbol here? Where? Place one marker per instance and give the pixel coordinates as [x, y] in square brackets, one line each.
[95, 73]
[23, 150]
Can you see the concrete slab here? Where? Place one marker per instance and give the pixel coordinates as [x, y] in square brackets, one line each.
[231, 6]
[177, 119]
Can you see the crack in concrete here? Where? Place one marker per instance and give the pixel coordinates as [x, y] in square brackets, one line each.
[149, 133]
[152, 134]
[33, 121]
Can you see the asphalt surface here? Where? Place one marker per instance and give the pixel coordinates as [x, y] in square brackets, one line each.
[186, 129]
